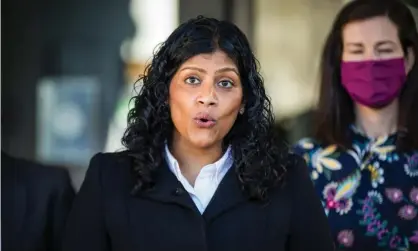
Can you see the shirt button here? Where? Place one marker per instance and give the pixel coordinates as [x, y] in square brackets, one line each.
[179, 191]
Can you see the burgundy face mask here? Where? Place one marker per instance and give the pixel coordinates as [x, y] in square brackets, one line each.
[374, 83]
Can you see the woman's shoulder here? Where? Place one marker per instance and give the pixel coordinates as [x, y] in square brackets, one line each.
[296, 175]
[294, 167]
[110, 158]
[110, 164]
[318, 155]
[309, 146]
[306, 146]
[109, 174]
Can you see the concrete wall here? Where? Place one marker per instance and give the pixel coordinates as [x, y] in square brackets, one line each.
[288, 36]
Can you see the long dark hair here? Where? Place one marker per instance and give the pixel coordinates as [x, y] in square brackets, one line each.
[335, 111]
[258, 160]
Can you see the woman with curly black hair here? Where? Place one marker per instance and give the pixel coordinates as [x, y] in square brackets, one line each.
[202, 169]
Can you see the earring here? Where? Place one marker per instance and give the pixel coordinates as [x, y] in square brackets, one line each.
[242, 110]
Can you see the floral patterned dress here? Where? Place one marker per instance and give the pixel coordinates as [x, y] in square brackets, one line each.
[369, 192]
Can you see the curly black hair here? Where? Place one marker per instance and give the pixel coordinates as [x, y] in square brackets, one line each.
[259, 161]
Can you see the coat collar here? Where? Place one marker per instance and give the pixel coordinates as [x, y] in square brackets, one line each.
[228, 196]
[168, 189]
[216, 169]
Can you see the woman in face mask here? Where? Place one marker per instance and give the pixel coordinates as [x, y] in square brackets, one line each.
[364, 153]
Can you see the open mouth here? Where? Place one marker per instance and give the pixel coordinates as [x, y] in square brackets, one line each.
[205, 121]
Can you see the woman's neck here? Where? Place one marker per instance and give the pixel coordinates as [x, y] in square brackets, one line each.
[192, 159]
[377, 123]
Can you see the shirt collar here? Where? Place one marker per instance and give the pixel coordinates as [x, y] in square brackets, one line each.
[359, 135]
[215, 169]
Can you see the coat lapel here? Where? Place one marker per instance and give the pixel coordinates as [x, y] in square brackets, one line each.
[228, 195]
[168, 189]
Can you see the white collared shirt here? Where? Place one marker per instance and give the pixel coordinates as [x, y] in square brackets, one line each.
[206, 182]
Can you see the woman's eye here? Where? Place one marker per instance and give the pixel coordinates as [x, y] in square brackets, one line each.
[385, 51]
[192, 81]
[225, 84]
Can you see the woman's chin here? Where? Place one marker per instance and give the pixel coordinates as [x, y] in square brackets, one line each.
[205, 143]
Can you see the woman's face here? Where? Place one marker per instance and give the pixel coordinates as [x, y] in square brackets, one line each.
[372, 39]
[205, 99]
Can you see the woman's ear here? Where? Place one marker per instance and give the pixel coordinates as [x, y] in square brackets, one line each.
[409, 60]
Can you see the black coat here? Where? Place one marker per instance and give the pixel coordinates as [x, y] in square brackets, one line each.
[105, 216]
[35, 202]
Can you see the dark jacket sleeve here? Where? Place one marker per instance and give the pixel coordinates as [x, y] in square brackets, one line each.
[63, 196]
[86, 228]
[309, 224]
